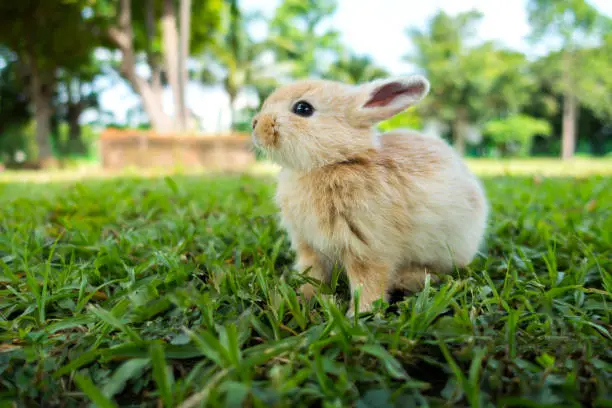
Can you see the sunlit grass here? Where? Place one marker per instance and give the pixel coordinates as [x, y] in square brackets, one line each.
[577, 167]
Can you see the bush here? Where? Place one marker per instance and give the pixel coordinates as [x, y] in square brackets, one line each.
[17, 143]
[514, 135]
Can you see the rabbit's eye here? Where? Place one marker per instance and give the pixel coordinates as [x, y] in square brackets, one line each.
[303, 108]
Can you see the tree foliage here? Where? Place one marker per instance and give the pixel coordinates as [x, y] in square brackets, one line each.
[14, 99]
[299, 33]
[565, 19]
[48, 67]
[51, 33]
[234, 59]
[14, 107]
[578, 27]
[594, 85]
[45, 36]
[355, 69]
[473, 82]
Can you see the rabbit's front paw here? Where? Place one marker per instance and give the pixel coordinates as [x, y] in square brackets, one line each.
[307, 291]
[364, 307]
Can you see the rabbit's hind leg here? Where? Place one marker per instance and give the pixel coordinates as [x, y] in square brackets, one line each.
[370, 277]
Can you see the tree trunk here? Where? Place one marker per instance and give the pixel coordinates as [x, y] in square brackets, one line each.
[74, 132]
[568, 141]
[152, 58]
[232, 111]
[74, 109]
[151, 95]
[232, 94]
[171, 56]
[459, 136]
[185, 25]
[152, 103]
[41, 93]
[75, 143]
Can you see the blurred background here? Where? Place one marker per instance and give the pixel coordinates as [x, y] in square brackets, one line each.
[119, 83]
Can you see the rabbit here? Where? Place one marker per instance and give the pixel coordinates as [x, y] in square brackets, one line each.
[392, 208]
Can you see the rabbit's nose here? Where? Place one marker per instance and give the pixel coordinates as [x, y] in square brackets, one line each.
[266, 130]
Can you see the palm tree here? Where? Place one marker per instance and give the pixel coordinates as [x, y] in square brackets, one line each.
[297, 36]
[234, 59]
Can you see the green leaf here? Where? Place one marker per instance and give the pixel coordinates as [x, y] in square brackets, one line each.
[130, 369]
[161, 374]
[93, 393]
[69, 323]
[393, 366]
[111, 320]
[235, 394]
[83, 359]
[172, 184]
[379, 398]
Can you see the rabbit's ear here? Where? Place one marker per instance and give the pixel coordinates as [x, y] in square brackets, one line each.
[383, 99]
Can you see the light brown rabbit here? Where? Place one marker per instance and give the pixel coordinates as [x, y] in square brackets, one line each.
[390, 207]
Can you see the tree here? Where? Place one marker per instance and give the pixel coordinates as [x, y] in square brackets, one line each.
[14, 106]
[594, 85]
[14, 99]
[45, 36]
[169, 23]
[77, 95]
[176, 54]
[185, 37]
[574, 23]
[471, 83]
[355, 69]
[235, 59]
[133, 29]
[122, 35]
[298, 34]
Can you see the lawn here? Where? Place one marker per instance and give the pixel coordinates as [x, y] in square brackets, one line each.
[177, 292]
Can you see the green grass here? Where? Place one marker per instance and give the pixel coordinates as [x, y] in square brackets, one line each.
[178, 292]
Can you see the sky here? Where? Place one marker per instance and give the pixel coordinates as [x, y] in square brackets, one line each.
[373, 27]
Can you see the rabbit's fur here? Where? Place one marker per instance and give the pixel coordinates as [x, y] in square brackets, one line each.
[390, 207]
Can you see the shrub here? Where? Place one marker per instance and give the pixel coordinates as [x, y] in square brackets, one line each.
[514, 135]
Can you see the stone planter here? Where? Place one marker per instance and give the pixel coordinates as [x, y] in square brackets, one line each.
[145, 149]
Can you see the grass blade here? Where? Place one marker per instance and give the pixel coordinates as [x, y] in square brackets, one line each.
[95, 395]
[161, 374]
